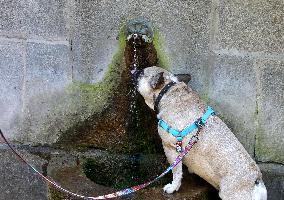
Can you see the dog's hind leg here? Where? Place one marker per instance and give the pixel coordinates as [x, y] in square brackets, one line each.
[237, 189]
[171, 155]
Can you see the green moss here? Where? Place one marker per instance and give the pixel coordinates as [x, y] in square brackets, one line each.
[163, 59]
[78, 102]
[260, 149]
[94, 97]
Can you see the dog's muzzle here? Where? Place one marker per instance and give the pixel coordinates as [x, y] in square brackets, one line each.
[136, 74]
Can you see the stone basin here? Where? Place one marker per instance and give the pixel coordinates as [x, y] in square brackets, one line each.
[67, 169]
[193, 188]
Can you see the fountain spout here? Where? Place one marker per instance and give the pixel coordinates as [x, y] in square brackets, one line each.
[140, 27]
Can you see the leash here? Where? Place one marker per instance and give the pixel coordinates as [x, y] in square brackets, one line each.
[120, 193]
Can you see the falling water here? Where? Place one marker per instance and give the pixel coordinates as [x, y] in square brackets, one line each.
[134, 67]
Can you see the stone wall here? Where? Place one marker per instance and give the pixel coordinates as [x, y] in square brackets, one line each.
[234, 51]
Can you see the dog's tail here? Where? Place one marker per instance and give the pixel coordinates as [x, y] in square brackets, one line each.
[259, 191]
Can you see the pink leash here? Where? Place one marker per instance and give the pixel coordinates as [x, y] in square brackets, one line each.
[120, 193]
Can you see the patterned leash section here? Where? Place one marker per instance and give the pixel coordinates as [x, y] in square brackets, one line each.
[120, 193]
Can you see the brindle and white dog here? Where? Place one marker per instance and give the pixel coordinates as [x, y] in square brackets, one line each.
[218, 157]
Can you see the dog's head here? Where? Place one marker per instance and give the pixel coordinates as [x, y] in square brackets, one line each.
[150, 82]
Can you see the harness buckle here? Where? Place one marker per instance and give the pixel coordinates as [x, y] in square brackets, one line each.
[199, 123]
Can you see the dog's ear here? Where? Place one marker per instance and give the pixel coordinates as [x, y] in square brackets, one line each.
[157, 81]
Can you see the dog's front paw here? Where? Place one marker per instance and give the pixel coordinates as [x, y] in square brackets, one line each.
[171, 187]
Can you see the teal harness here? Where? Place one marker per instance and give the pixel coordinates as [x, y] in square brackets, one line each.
[199, 123]
[187, 130]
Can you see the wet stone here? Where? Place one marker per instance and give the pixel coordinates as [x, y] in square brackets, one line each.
[193, 187]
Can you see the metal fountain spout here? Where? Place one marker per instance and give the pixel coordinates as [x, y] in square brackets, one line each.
[140, 27]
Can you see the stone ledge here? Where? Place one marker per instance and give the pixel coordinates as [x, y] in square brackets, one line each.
[17, 180]
[66, 169]
[273, 177]
[193, 188]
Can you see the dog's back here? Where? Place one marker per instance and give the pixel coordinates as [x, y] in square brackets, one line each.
[218, 157]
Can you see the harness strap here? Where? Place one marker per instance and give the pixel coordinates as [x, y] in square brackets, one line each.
[195, 125]
[161, 94]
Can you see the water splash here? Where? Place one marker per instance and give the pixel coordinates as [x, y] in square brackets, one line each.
[134, 67]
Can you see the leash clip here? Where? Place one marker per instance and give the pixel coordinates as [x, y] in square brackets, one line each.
[179, 146]
[195, 138]
[199, 123]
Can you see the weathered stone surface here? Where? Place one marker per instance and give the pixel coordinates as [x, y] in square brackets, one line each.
[48, 68]
[35, 19]
[72, 179]
[184, 38]
[11, 17]
[93, 50]
[198, 68]
[233, 94]
[17, 180]
[251, 25]
[12, 62]
[273, 177]
[69, 170]
[269, 138]
[192, 188]
[48, 72]
[45, 19]
[186, 31]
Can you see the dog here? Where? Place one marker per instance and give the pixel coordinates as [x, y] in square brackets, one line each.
[218, 157]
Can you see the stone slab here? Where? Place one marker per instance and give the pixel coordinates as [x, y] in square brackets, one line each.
[232, 92]
[68, 169]
[192, 188]
[12, 62]
[11, 17]
[269, 139]
[183, 27]
[34, 19]
[18, 181]
[48, 74]
[199, 70]
[251, 25]
[45, 19]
